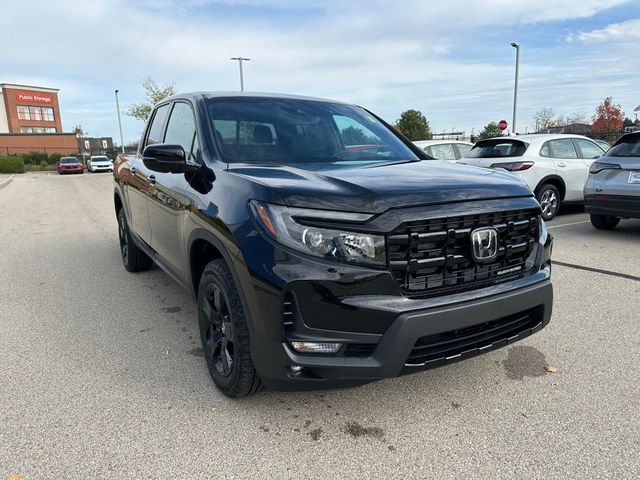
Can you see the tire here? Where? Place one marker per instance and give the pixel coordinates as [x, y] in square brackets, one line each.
[549, 197]
[133, 258]
[604, 222]
[224, 333]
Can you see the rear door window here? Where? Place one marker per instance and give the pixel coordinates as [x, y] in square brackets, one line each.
[563, 148]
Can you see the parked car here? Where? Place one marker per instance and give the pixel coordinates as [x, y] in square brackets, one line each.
[555, 167]
[315, 265]
[99, 163]
[69, 165]
[612, 190]
[444, 149]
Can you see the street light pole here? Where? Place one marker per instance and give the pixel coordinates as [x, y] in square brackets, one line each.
[240, 60]
[515, 87]
[119, 122]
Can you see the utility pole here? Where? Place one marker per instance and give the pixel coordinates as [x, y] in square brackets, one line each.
[119, 123]
[240, 60]
[515, 87]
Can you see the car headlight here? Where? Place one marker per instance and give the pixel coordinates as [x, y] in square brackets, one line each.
[287, 227]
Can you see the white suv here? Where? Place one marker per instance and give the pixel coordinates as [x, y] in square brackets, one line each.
[554, 166]
[99, 163]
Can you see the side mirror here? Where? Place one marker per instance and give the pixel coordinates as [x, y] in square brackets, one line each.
[166, 158]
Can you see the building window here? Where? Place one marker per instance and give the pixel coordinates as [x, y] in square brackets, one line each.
[37, 130]
[35, 113]
[23, 113]
[47, 113]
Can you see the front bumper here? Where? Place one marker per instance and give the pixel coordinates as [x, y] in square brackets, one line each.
[625, 206]
[101, 168]
[70, 170]
[394, 351]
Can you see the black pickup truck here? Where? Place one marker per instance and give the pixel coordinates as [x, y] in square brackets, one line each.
[322, 247]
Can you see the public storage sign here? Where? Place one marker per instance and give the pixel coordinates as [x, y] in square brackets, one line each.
[33, 97]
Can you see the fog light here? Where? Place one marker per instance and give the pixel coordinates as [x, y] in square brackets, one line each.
[315, 347]
[295, 370]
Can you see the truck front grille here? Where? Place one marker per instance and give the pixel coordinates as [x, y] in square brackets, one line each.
[434, 257]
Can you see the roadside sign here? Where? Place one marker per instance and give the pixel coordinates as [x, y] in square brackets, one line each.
[502, 125]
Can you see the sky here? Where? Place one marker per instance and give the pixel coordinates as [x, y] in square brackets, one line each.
[452, 59]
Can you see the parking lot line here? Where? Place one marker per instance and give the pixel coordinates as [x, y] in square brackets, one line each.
[597, 270]
[568, 224]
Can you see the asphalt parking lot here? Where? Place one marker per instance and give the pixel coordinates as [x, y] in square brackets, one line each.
[101, 375]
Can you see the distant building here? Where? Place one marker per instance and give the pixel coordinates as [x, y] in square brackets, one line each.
[95, 145]
[572, 128]
[30, 121]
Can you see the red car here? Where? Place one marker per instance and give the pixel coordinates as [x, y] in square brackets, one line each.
[70, 165]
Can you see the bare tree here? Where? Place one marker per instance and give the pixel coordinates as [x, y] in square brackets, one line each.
[577, 118]
[544, 118]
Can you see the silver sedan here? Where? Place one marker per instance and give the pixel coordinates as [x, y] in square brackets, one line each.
[612, 190]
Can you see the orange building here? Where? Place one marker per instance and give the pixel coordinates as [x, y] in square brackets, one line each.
[30, 121]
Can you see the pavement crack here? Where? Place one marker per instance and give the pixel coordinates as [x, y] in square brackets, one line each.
[597, 270]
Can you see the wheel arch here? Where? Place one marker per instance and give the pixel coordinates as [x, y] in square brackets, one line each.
[205, 247]
[554, 180]
[117, 201]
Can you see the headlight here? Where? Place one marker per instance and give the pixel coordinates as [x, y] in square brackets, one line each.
[284, 225]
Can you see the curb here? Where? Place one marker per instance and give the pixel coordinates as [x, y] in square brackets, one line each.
[4, 183]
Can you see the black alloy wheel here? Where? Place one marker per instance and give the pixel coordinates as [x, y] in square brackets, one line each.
[123, 237]
[133, 258]
[225, 333]
[218, 335]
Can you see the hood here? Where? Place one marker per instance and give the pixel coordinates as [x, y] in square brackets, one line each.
[375, 189]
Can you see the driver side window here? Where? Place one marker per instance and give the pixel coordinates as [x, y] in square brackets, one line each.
[181, 130]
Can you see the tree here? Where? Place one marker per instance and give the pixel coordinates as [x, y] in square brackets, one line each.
[545, 118]
[355, 136]
[608, 117]
[414, 125]
[628, 122]
[490, 130]
[78, 130]
[154, 94]
[577, 118]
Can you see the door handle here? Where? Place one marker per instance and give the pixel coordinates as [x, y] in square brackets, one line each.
[151, 179]
[562, 164]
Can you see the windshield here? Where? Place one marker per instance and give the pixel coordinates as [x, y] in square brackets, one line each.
[628, 147]
[69, 160]
[99, 159]
[295, 131]
[497, 148]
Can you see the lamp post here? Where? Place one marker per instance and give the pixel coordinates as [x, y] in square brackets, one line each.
[515, 87]
[119, 123]
[240, 60]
